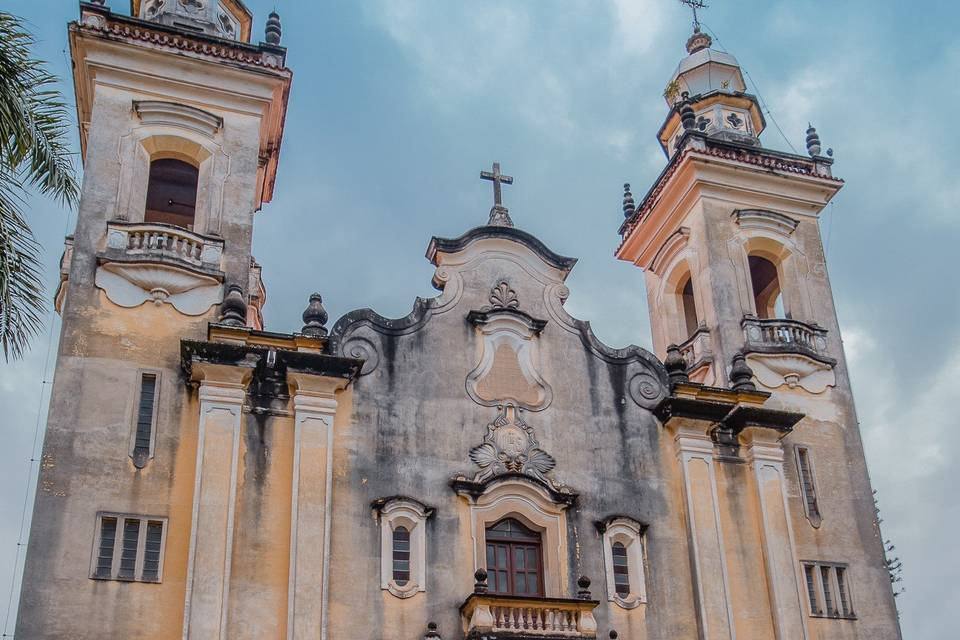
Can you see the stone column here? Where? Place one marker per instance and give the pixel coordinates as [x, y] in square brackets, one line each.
[764, 453]
[695, 453]
[222, 392]
[315, 405]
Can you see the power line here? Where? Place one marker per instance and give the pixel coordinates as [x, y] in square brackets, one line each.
[763, 103]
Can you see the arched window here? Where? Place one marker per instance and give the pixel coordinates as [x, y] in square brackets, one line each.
[691, 321]
[766, 287]
[514, 563]
[621, 569]
[401, 556]
[172, 193]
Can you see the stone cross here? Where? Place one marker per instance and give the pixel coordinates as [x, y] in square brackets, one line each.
[497, 178]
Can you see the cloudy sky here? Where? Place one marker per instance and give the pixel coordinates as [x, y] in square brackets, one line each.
[398, 104]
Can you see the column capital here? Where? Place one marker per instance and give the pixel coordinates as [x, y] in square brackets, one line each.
[762, 445]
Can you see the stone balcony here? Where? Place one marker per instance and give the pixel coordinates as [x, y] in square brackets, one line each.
[518, 617]
[157, 242]
[697, 351]
[163, 263]
[784, 351]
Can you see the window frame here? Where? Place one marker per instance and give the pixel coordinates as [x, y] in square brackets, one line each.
[815, 519]
[819, 609]
[632, 535]
[141, 462]
[532, 542]
[144, 524]
[411, 515]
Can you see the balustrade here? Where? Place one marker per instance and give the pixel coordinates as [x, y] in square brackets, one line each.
[784, 335]
[161, 241]
[547, 617]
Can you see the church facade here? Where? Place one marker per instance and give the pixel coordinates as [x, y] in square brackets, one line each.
[484, 467]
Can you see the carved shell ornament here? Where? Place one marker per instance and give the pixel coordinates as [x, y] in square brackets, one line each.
[510, 447]
[503, 297]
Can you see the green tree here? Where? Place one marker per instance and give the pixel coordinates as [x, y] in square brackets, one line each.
[34, 154]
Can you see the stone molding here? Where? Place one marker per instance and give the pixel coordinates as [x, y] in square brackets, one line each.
[629, 533]
[793, 370]
[767, 221]
[534, 506]
[131, 284]
[413, 515]
[174, 114]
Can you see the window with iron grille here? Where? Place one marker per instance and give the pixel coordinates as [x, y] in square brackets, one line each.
[621, 569]
[828, 590]
[145, 417]
[808, 485]
[401, 556]
[128, 548]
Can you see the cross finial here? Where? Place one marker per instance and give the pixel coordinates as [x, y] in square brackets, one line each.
[498, 214]
[694, 5]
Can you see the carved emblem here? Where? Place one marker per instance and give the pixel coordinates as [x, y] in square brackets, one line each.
[735, 121]
[192, 6]
[510, 447]
[226, 25]
[503, 297]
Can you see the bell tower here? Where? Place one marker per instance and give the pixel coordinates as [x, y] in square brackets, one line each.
[181, 120]
[729, 242]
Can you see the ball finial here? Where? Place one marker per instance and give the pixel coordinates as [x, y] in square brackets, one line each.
[273, 30]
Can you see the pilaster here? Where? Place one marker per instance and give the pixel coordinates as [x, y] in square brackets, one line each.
[712, 589]
[315, 404]
[764, 453]
[222, 392]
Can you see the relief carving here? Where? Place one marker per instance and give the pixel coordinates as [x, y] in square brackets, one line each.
[510, 447]
[509, 367]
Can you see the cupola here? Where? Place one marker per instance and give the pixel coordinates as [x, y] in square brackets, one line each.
[228, 19]
[714, 88]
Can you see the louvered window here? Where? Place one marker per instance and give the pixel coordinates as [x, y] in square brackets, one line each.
[108, 537]
[128, 548]
[621, 569]
[145, 417]
[401, 556]
[828, 590]
[807, 485]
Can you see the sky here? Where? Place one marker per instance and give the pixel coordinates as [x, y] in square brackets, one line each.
[397, 105]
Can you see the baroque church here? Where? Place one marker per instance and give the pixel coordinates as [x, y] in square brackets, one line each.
[483, 468]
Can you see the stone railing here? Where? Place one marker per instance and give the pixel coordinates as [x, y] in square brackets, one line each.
[697, 350]
[780, 335]
[547, 617]
[163, 242]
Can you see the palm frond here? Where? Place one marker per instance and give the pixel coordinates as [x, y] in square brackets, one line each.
[34, 152]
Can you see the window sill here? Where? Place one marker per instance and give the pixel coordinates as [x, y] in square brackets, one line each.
[825, 616]
[631, 602]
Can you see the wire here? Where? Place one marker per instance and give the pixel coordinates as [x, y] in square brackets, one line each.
[44, 384]
[763, 103]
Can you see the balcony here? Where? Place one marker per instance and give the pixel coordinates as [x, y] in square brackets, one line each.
[697, 351]
[783, 351]
[522, 617]
[156, 242]
[161, 263]
[519, 617]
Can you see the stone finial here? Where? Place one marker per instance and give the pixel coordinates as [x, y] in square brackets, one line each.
[741, 375]
[584, 592]
[315, 317]
[233, 309]
[687, 117]
[676, 365]
[480, 577]
[499, 217]
[273, 30]
[628, 206]
[813, 141]
[432, 632]
[698, 41]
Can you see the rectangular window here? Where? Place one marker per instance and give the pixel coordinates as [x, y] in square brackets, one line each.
[828, 590]
[808, 486]
[145, 418]
[128, 548]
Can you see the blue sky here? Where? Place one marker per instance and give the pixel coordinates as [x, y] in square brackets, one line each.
[398, 104]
